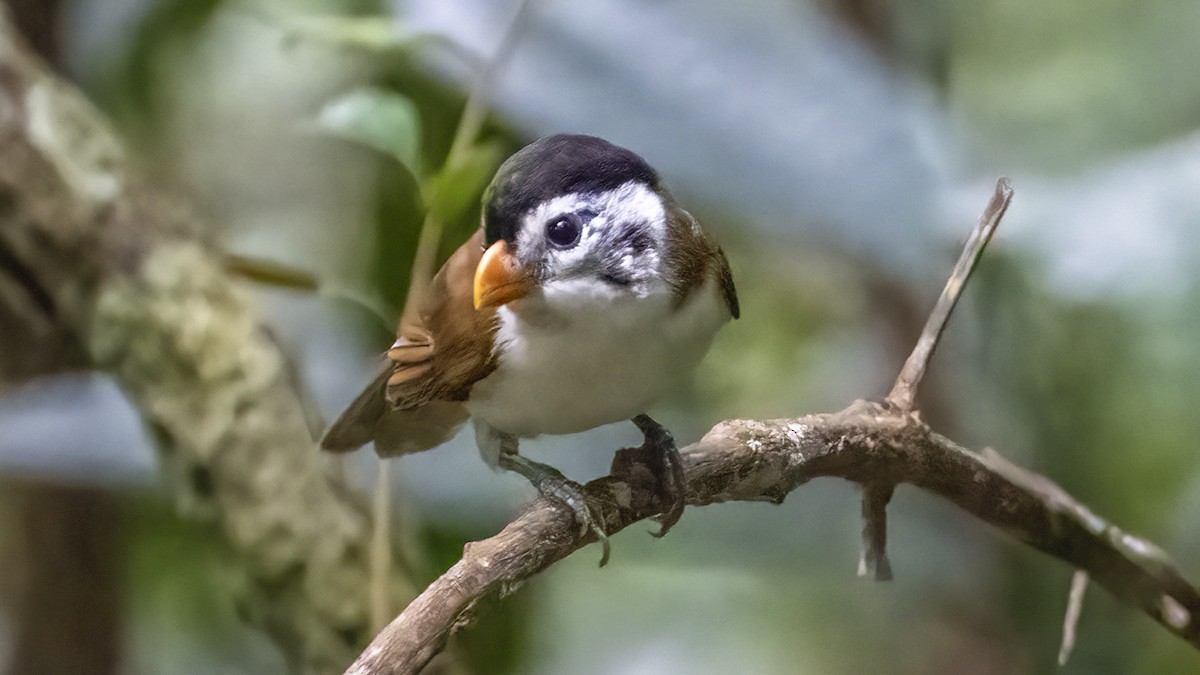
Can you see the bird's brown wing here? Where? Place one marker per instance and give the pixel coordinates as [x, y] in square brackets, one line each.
[725, 278]
[355, 427]
[417, 402]
[695, 258]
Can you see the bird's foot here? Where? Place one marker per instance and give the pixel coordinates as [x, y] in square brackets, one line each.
[667, 465]
[552, 483]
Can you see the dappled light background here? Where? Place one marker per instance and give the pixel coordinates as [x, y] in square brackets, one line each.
[840, 150]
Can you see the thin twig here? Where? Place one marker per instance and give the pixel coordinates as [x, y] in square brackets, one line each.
[380, 566]
[1079, 584]
[271, 272]
[904, 393]
[874, 560]
[424, 259]
[469, 124]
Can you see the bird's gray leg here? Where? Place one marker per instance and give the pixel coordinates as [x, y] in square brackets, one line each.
[667, 465]
[550, 482]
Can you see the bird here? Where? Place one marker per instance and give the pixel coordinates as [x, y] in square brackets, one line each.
[585, 294]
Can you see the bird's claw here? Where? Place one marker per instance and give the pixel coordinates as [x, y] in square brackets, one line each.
[667, 465]
[571, 493]
[553, 484]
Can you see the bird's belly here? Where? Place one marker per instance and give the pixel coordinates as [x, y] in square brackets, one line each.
[570, 377]
[561, 388]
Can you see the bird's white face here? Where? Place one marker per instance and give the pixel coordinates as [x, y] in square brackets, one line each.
[600, 244]
[599, 335]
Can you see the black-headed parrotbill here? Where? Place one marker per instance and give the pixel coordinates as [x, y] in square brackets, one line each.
[585, 294]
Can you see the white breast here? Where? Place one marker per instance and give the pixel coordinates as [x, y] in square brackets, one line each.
[583, 354]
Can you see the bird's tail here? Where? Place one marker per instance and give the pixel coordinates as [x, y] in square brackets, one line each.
[395, 431]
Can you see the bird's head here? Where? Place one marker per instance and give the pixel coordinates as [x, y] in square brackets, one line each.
[572, 214]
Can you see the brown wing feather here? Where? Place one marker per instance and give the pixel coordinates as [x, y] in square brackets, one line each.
[456, 351]
[355, 427]
[725, 276]
[416, 403]
[695, 257]
[408, 351]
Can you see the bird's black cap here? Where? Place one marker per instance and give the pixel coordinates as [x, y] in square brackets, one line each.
[554, 166]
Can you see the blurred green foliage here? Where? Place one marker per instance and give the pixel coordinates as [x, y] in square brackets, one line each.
[1087, 380]
[1062, 84]
[407, 118]
[130, 90]
[383, 120]
[1097, 393]
[412, 119]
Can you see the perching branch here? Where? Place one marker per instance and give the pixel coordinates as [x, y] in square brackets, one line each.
[878, 445]
[748, 460]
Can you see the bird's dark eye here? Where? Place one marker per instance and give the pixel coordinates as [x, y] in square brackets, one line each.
[563, 231]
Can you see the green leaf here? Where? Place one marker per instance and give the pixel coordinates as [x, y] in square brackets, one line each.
[377, 118]
[458, 187]
[373, 33]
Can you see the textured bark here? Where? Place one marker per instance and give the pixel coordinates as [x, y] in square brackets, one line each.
[96, 270]
[67, 591]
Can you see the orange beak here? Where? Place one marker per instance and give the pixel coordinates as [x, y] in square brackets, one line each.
[500, 279]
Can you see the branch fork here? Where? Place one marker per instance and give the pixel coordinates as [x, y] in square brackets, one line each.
[902, 398]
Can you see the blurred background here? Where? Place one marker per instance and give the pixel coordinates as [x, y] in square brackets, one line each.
[840, 150]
